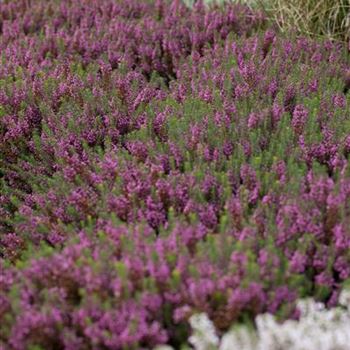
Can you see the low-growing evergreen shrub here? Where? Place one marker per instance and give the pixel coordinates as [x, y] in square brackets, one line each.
[158, 161]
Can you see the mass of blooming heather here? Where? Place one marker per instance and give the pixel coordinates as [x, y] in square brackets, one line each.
[160, 161]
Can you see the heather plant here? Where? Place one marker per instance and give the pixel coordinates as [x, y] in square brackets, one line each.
[158, 162]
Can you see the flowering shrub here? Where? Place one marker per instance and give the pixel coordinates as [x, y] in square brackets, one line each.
[158, 161]
[317, 328]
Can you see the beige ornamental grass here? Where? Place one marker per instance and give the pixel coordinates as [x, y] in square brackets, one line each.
[325, 18]
[330, 18]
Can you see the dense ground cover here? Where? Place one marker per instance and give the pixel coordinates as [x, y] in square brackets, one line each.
[157, 161]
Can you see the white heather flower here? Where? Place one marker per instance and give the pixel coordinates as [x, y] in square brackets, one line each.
[319, 328]
[240, 338]
[344, 299]
[204, 336]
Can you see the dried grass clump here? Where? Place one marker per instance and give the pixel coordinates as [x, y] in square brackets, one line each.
[329, 18]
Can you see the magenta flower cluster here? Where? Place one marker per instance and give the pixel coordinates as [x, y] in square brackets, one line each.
[158, 161]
